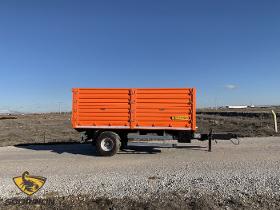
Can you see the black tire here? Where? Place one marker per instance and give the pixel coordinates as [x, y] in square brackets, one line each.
[107, 143]
[124, 141]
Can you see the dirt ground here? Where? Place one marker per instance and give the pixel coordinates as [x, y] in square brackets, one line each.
[177, 202]
[244, 124]
[54, 127]
[37, 128]
[244, 176]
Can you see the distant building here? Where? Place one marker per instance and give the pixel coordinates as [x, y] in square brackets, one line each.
[237, 107]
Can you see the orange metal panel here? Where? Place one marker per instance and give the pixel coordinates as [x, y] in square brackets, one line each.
[193, 109]
[74, 108]
[104, 118]
[101, 107]
[100, 96]
[103, 90]
[163, 90]
[162, 106]
[103, 110]
[133, 94]
[137, 108]
[163, 96]
[169, 99]
[101, 123]
[163, 124]
[113, 114]
[103, 100]
[157, 114]
[104, 106]
[164, 101]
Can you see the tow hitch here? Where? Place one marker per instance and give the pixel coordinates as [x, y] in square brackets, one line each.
[214, 136]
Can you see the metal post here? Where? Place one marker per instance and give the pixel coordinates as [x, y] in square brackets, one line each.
[275, 121]
[209, 144]
[210, 140]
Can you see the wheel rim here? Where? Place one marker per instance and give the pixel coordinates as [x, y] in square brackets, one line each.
[107, 144]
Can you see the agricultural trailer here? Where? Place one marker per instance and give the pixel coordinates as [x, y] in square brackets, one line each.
[108, 116]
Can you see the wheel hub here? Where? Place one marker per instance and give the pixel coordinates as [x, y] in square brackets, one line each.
[107, 144]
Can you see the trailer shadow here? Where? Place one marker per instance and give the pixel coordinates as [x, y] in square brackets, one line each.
[193, 147]
[88, 150]
[150, 148]
[59, 148]
[140, 150]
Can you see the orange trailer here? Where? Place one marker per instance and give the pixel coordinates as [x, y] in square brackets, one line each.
[107, 115]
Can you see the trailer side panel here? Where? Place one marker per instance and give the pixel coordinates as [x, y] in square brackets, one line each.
[134, 108]
[163, 108]
[100, 108]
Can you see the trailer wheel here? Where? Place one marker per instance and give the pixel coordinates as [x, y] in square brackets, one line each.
[108, 143]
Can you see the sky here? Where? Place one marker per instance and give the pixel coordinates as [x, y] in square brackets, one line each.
[228, 49]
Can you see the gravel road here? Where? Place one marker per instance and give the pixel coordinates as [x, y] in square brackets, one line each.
[243, 176]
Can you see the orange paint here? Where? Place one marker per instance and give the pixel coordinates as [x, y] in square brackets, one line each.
[134, 108]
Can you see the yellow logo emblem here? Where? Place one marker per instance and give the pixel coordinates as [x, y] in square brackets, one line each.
[29, 184]
[179, 118]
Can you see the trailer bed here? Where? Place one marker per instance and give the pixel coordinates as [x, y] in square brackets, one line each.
[134, 108]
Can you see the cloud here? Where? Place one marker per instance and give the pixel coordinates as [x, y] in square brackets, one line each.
[231, 86]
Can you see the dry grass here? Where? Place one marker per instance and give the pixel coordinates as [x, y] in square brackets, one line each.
[53, 127]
